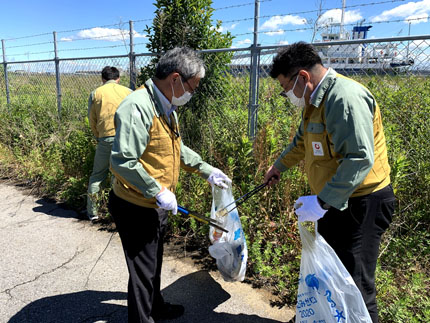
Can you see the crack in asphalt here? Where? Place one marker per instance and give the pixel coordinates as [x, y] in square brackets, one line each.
[9, 290]
[95, 264]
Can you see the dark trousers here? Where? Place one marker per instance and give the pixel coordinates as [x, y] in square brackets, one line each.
[355, 235]
[141, 231]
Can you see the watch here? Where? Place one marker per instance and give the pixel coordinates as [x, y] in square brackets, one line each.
[323, 204]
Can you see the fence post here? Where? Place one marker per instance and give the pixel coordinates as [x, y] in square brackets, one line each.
[6, 79]
[132, 59]
[254, 79]
[57, 75]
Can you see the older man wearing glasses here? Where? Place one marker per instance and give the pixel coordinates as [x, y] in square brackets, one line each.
[146, 158]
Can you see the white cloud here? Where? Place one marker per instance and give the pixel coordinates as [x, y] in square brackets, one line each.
[277, 21]
[420, 9]
[244, 42]
[107, 34]
[137, 35]
[418, 18]
[283, 42]
[275, 32]
[66, 39]
[222, 29]
[334, 16]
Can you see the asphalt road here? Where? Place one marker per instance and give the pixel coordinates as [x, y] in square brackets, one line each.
[58, 267]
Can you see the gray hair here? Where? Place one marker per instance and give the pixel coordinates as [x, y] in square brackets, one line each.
[182, 60]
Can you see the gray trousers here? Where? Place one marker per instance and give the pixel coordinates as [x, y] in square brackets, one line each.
[100, 172]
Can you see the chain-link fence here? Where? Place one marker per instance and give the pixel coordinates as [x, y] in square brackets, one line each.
[386, 60]
[68, 82]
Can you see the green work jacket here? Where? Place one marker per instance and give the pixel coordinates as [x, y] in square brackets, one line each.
[342, 142]
[148, 152]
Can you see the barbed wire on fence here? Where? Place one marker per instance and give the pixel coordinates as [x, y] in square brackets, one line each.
[34, 53]
[215, 9]
[313, 11]
[30, 45]
[88, 48]
[148, 19]
[240, 5]
[124, 34]
[86, 28]
[277, 31]
[28, 36]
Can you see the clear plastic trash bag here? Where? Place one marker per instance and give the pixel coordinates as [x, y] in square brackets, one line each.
[229, 249]
[326, 292]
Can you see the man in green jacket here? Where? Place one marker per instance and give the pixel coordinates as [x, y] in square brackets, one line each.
[342, 142]
[146, 158]
[102, 106]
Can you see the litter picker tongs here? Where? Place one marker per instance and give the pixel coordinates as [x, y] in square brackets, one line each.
[201, 218]
[241, 200]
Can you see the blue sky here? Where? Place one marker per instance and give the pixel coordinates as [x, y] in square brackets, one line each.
[92, 28]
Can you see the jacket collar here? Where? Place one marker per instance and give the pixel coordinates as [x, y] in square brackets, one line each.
[324, 86]
[149, 85]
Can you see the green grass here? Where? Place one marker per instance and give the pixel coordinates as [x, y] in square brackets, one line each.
[55, 153]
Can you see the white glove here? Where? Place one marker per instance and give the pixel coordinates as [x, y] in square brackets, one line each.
[167, 200]
[218, 178]
[308, 208]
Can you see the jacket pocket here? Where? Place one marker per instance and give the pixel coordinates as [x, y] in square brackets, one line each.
[161, 145]
[317, 142]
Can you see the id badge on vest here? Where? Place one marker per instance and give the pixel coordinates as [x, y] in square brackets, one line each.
[317, 148]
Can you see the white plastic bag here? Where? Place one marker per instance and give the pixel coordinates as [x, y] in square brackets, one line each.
[327, 292]
[229, 249]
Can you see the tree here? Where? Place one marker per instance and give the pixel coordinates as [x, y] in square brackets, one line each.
[188, 23]
[185, 23]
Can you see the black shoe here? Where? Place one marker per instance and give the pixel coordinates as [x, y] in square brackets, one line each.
[168, 312]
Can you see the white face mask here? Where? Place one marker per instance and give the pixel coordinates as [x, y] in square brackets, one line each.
[299, 102]
[183, 99]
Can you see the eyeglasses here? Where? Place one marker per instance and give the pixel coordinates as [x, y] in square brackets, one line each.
[284, 93]
[189, 85]
[193, 90]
